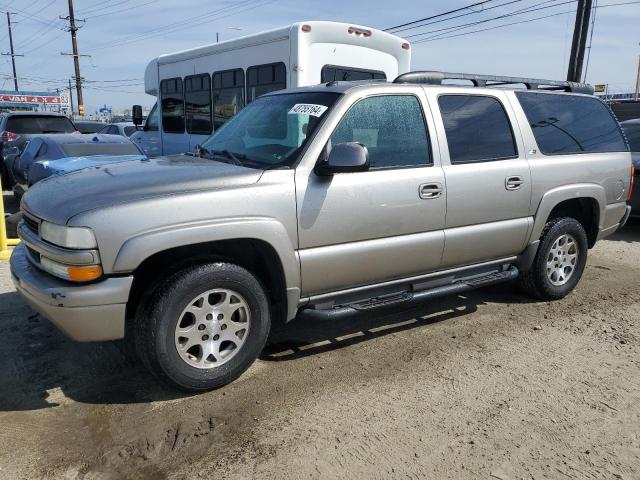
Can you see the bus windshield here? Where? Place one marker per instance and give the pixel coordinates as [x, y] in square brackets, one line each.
[270, 131]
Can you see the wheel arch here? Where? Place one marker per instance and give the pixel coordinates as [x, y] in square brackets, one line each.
[584, 202]
[267, 252]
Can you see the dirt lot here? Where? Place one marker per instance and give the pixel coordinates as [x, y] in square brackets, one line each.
[491, 385]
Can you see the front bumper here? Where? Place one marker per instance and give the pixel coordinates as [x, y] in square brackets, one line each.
[85, 313]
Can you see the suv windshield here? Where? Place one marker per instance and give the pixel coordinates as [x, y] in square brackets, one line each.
[270, 131]
[633, 135]
[28, 124]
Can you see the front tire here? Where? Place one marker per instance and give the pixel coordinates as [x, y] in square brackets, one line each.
[559, 262]
[203, 327]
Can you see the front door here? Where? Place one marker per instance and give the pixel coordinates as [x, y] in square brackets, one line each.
[386, 223]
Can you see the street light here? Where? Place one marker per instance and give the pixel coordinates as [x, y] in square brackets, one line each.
[228, 28]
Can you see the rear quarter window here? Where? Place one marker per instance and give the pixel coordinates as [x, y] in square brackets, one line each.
[567, 124]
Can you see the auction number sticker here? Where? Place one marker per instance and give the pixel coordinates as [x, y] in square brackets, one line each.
[308, 109]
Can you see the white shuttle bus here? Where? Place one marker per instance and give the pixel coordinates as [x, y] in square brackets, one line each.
[199, 89]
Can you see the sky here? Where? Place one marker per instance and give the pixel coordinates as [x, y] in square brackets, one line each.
[122, 36]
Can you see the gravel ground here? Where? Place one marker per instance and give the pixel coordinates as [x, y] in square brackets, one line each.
[489, 385]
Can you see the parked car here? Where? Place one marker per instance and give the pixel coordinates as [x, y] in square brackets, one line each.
[324, 202]
[89, 126]
[47, 155]
[16, 128]
[125, 129]
[632, 130]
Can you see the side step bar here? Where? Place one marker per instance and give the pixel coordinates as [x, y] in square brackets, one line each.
[408, 299]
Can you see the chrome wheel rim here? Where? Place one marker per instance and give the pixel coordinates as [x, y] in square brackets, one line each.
[212, 328]
[562, 260]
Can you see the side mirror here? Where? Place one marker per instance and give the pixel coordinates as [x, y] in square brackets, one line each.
[136, 113]
[344, 158]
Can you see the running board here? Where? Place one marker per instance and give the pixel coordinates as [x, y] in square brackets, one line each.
[408, 299]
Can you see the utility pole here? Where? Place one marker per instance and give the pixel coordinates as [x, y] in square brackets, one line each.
[76, 57]
[578, 45]
[71, 97]
[12, 54]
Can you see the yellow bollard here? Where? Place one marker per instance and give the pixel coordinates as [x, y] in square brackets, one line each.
[5, 242]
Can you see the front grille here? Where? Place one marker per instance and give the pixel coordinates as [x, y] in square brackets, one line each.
[31, 222]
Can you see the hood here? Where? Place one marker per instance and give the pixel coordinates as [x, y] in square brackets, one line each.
[70, 164]
[60, 197]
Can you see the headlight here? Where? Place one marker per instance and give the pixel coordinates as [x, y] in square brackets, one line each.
[69, 237]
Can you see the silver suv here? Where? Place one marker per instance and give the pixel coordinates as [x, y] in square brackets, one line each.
[325, 202]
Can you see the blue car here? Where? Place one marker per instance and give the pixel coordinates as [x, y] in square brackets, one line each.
[47, 155]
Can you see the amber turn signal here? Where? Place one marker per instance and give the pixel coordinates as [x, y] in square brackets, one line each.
[84, 274]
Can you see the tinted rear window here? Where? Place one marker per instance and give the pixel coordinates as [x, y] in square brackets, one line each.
[28, 124]
[88, 149]
[571, 124]
[477, 128]
[633, 135]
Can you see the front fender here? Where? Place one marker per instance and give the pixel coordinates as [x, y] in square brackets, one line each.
[137, 249]
[567, 192]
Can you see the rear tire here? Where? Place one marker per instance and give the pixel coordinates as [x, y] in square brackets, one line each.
[559, 262]
[203, 327]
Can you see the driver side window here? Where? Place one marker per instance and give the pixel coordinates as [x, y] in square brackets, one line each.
[152, 120]
[392, 128]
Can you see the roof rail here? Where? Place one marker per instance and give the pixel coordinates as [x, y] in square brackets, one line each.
[436, 78]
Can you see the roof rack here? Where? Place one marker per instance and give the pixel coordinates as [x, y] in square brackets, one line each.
[436, 78]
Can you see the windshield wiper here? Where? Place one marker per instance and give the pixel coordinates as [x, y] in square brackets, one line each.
[234, 157]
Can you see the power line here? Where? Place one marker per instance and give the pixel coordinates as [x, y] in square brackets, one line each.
[442, 37]
[499, 17]
[438, 15]
[473, 12]
[185, 23]
[123, 9]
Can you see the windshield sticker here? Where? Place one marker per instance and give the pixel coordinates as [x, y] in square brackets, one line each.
[308, 109]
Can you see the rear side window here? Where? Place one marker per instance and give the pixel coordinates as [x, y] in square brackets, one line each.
[477, 128]
[263, 79]
[197, 104]
[564, 124]
[172, 105]
[332, 73]
[228, 95]
[391, 127]
[30, 124]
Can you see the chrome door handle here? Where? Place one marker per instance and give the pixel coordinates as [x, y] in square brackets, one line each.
[514, 182]
[430, 190]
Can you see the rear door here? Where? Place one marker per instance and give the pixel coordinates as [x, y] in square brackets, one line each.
[487, 176]
[383, 224]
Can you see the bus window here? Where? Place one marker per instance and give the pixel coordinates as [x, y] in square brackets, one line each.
[197, 104]
[332, 73]
[265, 78]
[172, 105]
[228, 95]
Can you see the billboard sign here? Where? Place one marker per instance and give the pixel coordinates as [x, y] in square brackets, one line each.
[29, 99]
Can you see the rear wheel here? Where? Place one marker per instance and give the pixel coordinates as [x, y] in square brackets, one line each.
[204, 327]
[559, 262]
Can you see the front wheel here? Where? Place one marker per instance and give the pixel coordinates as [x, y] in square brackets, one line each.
[204, 327]
[559, 262]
